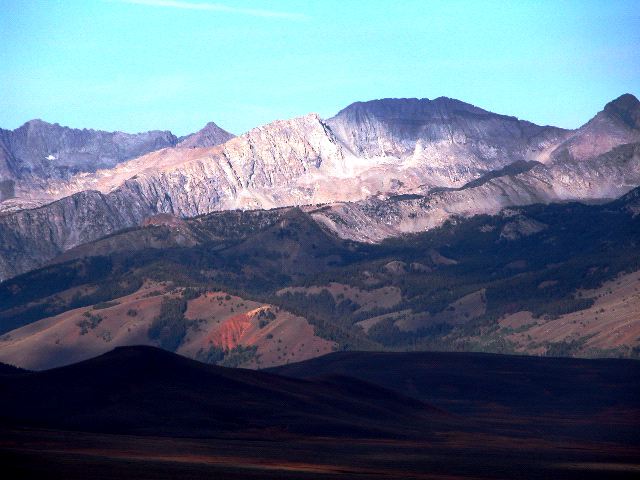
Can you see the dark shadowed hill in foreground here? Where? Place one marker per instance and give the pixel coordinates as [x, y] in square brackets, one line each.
[499, 417]
[566, 396]
[144, 390]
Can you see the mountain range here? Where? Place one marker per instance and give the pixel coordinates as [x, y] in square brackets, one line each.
[397, 223]
[442, 157]
[268, 287]
[398, 284]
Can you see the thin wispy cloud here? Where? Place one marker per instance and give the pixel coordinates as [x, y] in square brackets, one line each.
[217, 7]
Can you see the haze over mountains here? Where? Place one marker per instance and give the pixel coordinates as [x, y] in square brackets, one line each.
[441, 157]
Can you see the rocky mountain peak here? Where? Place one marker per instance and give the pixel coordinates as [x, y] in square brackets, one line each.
[432, 132]
[38, 152]
[35, 123]
[616, 124]
[414, 111]
[625, 108]
[209, 136]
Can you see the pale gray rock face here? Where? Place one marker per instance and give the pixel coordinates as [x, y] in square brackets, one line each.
[607, 176]
[448, 141]
[384, 168]
[258, 168]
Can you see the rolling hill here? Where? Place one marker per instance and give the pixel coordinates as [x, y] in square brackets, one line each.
[140, 412]
[556, 279]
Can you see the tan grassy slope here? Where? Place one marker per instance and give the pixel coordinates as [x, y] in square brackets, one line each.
[612, 323]
[216, 319]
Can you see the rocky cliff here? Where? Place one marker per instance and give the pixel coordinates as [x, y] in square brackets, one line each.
[446, 141]
[604, 177]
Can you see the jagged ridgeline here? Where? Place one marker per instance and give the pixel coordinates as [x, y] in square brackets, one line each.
[448, 157]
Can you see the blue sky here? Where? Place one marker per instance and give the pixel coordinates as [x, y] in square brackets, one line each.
[136, 65]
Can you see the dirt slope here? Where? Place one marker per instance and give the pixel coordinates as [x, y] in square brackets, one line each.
[214, 319]
[611, 324]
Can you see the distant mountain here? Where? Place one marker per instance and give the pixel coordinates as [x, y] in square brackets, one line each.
[453, 140]
[210, 136]
[617, 124]
[39, 153]
[384, 168]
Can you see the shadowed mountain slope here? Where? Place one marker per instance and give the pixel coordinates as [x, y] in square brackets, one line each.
[595, 399]
[145, 390]
[411, 126]
[39, 157]
[39, 151]
[559, 279]
[517, 417]
[479, 383]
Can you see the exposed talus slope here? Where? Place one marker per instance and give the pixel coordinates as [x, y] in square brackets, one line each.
[606, 176]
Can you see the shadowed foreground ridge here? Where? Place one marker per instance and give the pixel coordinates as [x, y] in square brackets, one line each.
[347, 415]
[485, 385]
[150, 391]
